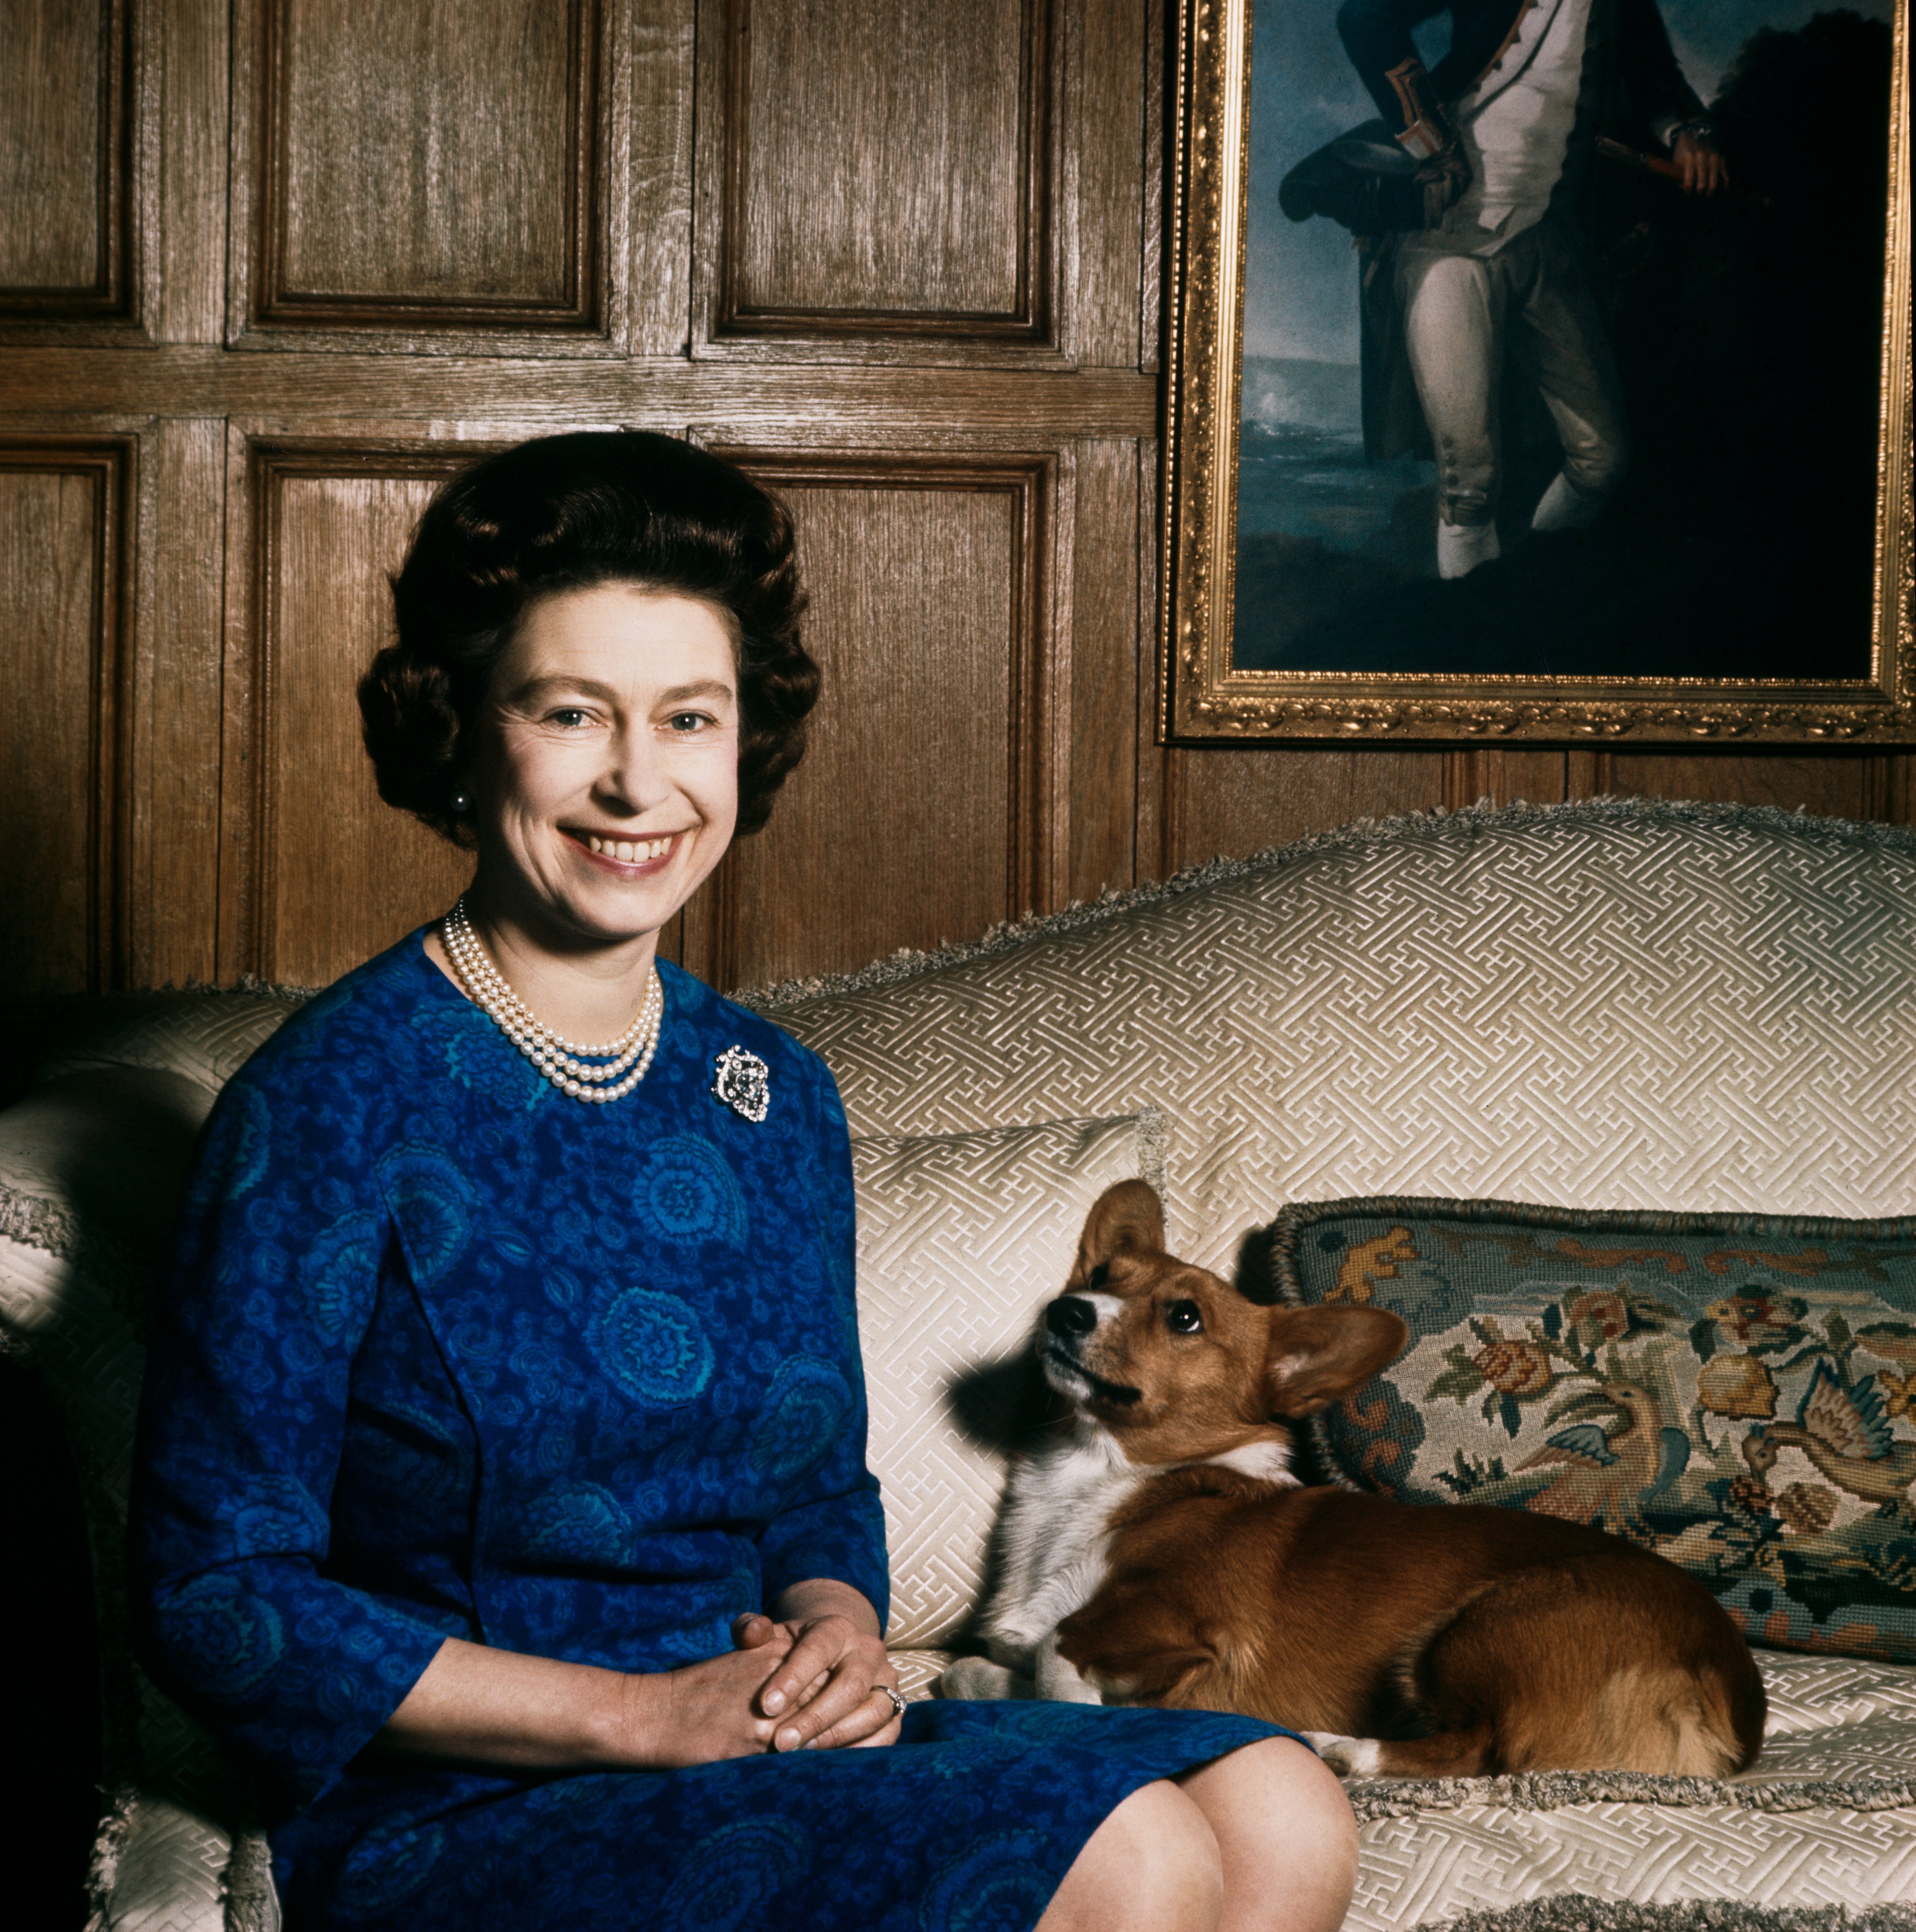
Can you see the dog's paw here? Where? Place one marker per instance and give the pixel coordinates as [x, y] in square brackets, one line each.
[1059, 1681]
[980, 1678]
[1349, 1757]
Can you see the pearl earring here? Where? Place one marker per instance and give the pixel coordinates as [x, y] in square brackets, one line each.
[462, 803]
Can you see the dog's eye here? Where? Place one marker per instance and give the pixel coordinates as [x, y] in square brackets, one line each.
[1182, 1318]
[1098, 1275]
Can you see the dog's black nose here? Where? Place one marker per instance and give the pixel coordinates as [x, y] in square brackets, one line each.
[1071, 1315]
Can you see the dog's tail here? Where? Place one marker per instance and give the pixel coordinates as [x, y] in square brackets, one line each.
[1706, 1721]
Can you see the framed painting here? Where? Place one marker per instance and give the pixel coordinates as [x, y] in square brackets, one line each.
[1539, 369]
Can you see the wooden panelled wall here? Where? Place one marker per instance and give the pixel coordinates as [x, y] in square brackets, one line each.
[270, 268]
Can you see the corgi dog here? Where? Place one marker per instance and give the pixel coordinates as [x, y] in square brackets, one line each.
[1158, 1550]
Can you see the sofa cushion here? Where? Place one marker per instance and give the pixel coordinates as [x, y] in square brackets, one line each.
[206, 1037]
[1610, 1004]
[961, 1239]
[92, 1164]
[1737, 1392]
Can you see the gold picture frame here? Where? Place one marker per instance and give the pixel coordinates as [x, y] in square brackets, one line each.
[1207, 695]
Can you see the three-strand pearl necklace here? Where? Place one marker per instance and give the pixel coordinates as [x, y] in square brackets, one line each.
[561, 1060]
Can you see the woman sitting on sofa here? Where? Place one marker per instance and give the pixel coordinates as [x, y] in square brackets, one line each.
[503, 1487]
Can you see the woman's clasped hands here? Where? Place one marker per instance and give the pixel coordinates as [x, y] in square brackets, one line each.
[816, 1679]
[831, 1684]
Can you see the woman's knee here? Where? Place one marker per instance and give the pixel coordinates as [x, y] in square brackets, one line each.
[1286, 1836]
[1275, 1772]
[1152, 1866]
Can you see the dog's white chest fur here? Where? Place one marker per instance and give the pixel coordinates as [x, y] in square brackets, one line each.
[1055, 1544]
[1058, 1506]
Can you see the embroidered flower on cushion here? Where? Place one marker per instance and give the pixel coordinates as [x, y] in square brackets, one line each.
[1736, 1385]
[1894, 1341]
[1764, 1322]
[1513, 1368]
[1750, 1495]
[1807, 1508]
[1603, 1310]
[1510, 1370]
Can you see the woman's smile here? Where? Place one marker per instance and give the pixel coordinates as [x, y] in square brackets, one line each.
[627, 855]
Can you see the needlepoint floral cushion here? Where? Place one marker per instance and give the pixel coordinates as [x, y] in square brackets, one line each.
[1737, 1392]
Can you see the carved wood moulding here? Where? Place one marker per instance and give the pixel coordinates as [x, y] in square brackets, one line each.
[931, 240]
[67, 168]
[315, 523]
[1033, 678]
[84, 735]
[457, 193]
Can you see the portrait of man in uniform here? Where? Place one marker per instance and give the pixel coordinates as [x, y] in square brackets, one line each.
[1562, 332]
[1503, 129]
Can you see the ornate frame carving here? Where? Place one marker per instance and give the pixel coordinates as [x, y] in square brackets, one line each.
[1205, 697]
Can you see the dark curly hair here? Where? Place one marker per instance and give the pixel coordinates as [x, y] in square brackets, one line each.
[566, 513]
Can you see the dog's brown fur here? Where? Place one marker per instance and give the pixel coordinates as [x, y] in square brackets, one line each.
[1467, 1640]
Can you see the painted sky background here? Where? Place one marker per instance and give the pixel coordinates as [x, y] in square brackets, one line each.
[1300, 296]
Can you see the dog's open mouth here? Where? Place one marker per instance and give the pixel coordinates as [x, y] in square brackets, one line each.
[1060, 1362]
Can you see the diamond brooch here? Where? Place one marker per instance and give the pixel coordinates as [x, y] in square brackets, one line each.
[743, 1082]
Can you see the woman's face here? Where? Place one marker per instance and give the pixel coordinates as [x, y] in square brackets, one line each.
[606, 786]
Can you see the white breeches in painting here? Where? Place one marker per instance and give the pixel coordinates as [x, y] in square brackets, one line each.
[1463, 315]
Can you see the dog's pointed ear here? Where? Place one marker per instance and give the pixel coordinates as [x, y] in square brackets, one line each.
[1129, 1217]
[1316, 1355]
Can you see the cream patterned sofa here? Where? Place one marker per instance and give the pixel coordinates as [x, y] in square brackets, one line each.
[1606, 1005]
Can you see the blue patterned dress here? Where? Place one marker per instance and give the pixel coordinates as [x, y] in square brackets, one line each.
[448, 1354]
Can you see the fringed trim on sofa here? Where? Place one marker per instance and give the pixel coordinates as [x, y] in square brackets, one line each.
[1575, 1912]
[37, 1223]
[102, 1865]
[1551, 1790]
[1153, 1145]
[252, 1903]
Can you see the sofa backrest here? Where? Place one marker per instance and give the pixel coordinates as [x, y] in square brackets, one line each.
[1612, 1004]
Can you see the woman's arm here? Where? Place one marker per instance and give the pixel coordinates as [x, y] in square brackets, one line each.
[821, 1658]
[242, 1420]
[489, 1706]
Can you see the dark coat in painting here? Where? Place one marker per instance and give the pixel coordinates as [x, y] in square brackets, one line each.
[1631, 84]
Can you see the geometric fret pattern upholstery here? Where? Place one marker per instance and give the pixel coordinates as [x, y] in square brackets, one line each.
[1608, 1004]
